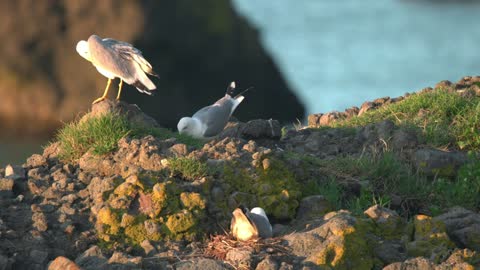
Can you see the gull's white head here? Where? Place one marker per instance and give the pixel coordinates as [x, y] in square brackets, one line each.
[190, 126]
[82, 49]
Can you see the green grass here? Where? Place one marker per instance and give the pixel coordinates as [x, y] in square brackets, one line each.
[330, 189]
[384, 177]
[444, 118]
[101, 134]
[464, 190]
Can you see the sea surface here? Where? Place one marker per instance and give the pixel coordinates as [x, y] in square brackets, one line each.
[338, 54]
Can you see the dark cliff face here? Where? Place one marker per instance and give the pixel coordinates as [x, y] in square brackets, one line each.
[196, 47]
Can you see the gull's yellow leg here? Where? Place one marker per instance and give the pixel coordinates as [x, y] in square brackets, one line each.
[104, 93]
[119, 89]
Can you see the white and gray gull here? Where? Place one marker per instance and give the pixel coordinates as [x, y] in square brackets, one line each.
[211, 120]
[117, 59]
[246, 225]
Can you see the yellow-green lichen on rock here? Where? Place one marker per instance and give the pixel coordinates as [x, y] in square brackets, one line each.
[275, 188]
[348, 249]
[341, 241]
[469, 259]
[430, 239]
[154, 211]
[180, 224]
[108, 223]
[192, 200]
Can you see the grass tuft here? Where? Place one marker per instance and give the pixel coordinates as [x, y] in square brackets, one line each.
[101, 134]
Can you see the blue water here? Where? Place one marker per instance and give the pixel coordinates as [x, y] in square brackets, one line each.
[337, 54]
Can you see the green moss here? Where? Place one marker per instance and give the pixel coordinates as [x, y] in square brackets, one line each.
[191, 200]
[136, 233]
[188, 168]
[350, 248]
[275, 188]
[180, 222]
[430, 239]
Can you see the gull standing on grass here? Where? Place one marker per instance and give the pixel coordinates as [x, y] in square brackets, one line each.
[211, 120]
[117, 59]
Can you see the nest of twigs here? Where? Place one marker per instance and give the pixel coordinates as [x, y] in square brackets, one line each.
[219, 245]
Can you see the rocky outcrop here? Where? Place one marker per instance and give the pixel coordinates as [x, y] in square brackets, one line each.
[468, 86]
[43, 81]
[164, 203]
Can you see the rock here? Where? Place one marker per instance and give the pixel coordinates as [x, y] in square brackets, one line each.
[178, 150]
[148, 248]
[314, 119]
[39, 256]
[125, 260]
[463, 226]
[418, 263]
[98, 186]
[329, 118]
[312, 207]
[459, 260]
[439, 163]
[5, 263]
[430, 239]
[390, 251]
[443, 84]
[385, 129]
[267, 264]
[39, 221]
[91, 258]
[388, 221]
[366, 106]
[339, 241]
[463, 259]
[131, 111]
[52, 150]
[201, 264]
[62, 263]
[241, 258]
[351, 112]
[36, 161]
[254, 129]
[6, 184]
[402, 139]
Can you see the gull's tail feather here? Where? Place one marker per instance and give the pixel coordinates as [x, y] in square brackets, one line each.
[243, 92]
[142, 88]
[231, 89]
[142, 82]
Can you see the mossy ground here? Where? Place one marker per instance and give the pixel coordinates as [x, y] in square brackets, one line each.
[101, 134]
[444, 118]
[274, 188]
[386, 176]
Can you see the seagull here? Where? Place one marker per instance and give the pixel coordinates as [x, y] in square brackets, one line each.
[117, 59]
[246, 225]
[210, 121]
